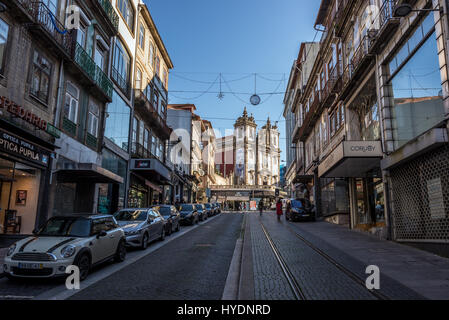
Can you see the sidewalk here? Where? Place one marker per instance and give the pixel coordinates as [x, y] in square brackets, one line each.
[421, 271]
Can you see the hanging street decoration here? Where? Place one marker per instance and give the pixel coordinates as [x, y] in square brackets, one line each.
[255, 100]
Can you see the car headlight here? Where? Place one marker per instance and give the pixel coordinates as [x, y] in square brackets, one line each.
[68, 251]
[133, 232]
[11, 250]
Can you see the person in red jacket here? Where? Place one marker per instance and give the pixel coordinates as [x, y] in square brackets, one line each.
[279, 209]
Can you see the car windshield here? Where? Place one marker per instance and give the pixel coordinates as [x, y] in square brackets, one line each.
[131, 215]
[208, 206]
[186, 207]
[66, 227]
[165, 211]
[297, 204]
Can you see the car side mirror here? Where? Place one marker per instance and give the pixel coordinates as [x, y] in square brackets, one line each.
[102, 234]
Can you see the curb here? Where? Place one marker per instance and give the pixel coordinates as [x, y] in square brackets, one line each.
[231, 290]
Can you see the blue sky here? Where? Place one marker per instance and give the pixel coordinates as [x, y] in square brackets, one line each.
[237, 38]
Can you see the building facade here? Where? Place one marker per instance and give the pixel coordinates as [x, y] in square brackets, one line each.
[372, 120]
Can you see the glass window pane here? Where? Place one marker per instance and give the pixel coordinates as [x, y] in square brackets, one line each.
[117, 122]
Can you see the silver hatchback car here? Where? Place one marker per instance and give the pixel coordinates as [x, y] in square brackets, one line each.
[141, 226]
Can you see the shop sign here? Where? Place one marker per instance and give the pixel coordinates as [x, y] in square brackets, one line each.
[16, 146]
[363, 149]
[23, 113]
[142, 164]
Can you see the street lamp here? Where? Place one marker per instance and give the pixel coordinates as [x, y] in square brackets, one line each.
[405, 9]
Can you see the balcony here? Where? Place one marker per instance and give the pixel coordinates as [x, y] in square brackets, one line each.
[91, 75]
[140, 152]
[150, 114]
[342, 15]
[358, 65]
[41, 22]
[385, 24]
[311, 117]
[108, 14]
[121, 82]
[333, 85]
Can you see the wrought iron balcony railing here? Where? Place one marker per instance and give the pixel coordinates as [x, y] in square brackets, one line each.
[139, 151]
[44, 18]
[110, 12]
[121, 82]
[88, 65]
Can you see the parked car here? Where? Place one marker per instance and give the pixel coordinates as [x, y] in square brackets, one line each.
[217, 207]
[141, 226]
[189, 214]
[210, 210]
[81, 240]
[202, 212]
[300, 210]
[171, 216]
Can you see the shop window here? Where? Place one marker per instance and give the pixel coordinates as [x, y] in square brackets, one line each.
[19, 191]
[40, 77]
[416, 86]
[92, 120]
[4, 32]
[71, 103]
[118, 121]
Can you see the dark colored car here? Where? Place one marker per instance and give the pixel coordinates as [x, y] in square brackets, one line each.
[217, 207]
[210, 209]
[202, 212]
[300, 210]
[171, 216]
[189, 214]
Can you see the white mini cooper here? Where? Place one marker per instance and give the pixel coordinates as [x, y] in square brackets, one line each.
[81, 240]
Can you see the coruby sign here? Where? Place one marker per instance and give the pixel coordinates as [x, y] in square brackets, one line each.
[22, 113]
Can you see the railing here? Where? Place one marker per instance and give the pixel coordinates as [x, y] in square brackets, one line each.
[83, 59]
[47, 20]
[110, 12]
[361, 52]
[69, 126]
[385, 14]
[91, 141]
[347, 73]
[160, 121]
[139, 151]
[121, 82]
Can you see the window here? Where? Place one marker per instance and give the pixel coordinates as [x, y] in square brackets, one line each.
[71, 103]
[4, 31]
[165, 78]
[118, 121]
[81, 35]
[138, 79]
[157, 65]
[40, 77]
[52, 5]
[153, 145]
[163, 109]
[151, 55]
[135, 129]
[142, 37]
[155, 99]
[121, 66]
[146, 139]
[126, 9]
[92, 120]
[100, 56]
[418, 95]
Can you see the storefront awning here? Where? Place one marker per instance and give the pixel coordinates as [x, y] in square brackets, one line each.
[352, 159]
[87, 172]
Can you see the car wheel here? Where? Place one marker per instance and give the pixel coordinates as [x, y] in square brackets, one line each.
[145, 239]
[83, 264]
[120, 254]
[162, 238]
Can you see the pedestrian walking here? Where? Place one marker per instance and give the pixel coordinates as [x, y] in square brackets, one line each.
[260, 205]
[279, 209]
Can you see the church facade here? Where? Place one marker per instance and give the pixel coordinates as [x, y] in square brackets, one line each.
[249, 157]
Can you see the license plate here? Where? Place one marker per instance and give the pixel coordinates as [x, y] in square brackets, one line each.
[31, 266]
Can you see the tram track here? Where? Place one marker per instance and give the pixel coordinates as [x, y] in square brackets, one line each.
[294, 283]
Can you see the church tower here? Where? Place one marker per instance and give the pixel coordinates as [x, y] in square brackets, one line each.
[269, 155]
[245, 149]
